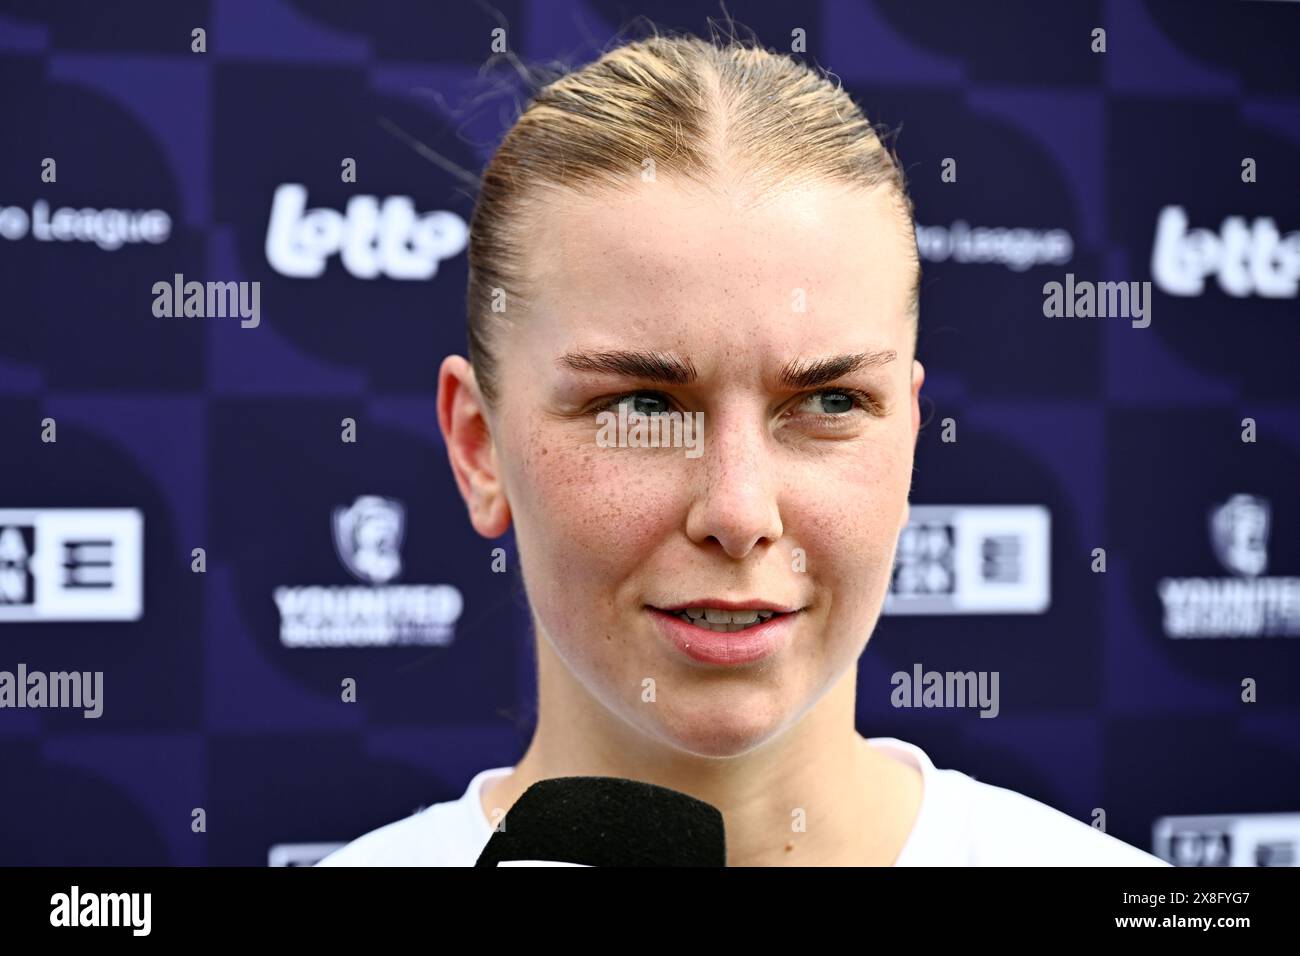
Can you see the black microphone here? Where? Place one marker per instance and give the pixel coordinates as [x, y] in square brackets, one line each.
[607, 821]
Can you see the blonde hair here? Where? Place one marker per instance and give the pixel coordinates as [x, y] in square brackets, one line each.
[689, 105]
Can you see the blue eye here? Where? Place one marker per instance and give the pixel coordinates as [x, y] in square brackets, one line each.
[654, 403]
[835, 403]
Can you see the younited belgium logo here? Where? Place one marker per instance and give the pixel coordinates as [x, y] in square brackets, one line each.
[368, 536]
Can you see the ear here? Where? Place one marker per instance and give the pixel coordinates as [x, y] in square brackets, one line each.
[466, 431]
[918, 377]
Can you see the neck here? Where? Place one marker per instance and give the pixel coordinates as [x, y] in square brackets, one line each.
[815, 794]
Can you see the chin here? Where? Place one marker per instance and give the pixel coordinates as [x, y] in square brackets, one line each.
[716, 731]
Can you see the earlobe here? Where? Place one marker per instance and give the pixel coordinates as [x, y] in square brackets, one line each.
[489, 510]
[463, 419]
[491, 518]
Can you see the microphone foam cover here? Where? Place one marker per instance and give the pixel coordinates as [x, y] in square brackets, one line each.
[608, 821]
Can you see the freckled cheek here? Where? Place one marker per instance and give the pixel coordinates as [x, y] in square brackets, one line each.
[843, 554]
[597, 511]
[590, 521]
[850, 525]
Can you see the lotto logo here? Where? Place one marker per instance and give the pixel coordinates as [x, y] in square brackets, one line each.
[371, 239]
[1247, 258]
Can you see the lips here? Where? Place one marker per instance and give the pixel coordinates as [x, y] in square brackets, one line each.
[722, 604]
[727, 644]
[724, 622]
[724, 616]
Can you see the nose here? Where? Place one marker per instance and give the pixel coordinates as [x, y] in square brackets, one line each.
[735, 489]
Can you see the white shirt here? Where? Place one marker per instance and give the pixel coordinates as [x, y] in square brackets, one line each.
[962, 822]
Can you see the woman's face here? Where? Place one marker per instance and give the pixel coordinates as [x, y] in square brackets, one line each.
[798, 491]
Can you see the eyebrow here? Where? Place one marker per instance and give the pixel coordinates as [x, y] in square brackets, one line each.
[667, 369]
[814, 372]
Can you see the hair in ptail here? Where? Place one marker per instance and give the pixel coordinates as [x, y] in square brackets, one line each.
[693, 107]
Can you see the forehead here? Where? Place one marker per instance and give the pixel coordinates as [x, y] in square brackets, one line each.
[666, 256]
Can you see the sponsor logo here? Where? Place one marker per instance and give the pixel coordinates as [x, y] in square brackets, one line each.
[1244, 839]
[1247, 605]
[1016, 248]
[372, 238]
[1245, 258]
[110, 229]
[71, 564]
[368, 537]
[972, 559]
[300, 854]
